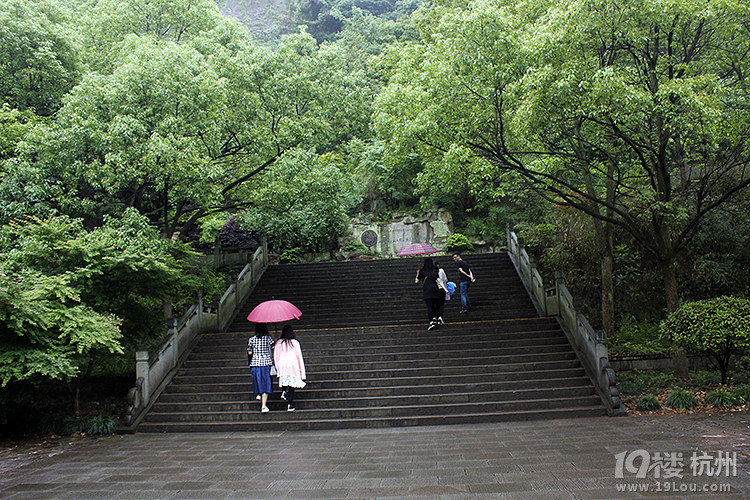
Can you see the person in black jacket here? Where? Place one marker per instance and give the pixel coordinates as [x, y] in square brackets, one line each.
[431, 290]
[466, 278]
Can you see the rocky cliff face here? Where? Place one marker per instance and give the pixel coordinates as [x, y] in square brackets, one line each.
[265, 18]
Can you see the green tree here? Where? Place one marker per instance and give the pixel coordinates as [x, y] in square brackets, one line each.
[71, 296]
[108, 23]
[302, 202]
[717, 328]
[177, 130]
[631, 112]
[39, 63]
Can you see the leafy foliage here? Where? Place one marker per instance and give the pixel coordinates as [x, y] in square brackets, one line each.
[638, 338]
[70, 295]
[742, 394]
[721, 398]
[39, 55]
[291, 256]
[648, 402]
[302, 202]
[680, 399]
[457, 243]
[717, 327]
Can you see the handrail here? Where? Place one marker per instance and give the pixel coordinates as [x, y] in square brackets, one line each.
[589, 345]
[155, 370]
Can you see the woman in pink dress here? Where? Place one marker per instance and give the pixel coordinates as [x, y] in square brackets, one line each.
[290, 366]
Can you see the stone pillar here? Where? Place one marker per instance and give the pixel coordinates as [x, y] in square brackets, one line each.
[198, 302]
[172, 332]
[141, 372]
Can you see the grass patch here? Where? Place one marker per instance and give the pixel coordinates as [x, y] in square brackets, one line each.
[648, 402]
[662, 392]
[721, 398]
[681, 399]
[637, 338]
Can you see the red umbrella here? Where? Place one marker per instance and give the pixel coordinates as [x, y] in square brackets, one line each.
[417, 249]
[272, 311]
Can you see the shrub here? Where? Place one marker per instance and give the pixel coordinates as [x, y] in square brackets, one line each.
[291, 256]
[648, 402]
[71, 425]
[721, 398]
[680, 399]
[458, 243]
[633, 337]
[101, 425]
[353, 246]
[639, 382]
[716, 327]
[742, 394]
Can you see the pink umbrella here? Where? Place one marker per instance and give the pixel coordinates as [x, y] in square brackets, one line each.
[272, 311]
[417, 249]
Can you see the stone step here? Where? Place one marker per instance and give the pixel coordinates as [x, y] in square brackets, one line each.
[251, 412]
[240, 392]
[371, 362]
[243, 383]
[391, 364]
[236, 358]
[250, 404]
[502, 371]
[284, 420]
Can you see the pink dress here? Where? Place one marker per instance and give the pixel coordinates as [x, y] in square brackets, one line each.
[290, 366]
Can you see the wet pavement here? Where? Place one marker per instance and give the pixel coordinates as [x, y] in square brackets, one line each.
[683, 456]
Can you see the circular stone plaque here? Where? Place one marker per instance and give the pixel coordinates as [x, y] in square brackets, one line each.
[369, 238]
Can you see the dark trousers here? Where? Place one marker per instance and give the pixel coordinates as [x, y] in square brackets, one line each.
[441, 306]
[433, 308]
[289, 394]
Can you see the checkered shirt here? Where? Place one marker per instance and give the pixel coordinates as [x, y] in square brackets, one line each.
[261, 349]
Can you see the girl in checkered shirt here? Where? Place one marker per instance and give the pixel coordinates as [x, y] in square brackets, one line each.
[260, 350]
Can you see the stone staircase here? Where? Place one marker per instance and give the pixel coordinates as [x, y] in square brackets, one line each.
[372, 363]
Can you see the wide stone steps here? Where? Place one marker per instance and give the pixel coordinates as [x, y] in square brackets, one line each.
[290, 421]
[241, 386]
[239, 392]
[371, 362]
[387, 405]
[366, 293]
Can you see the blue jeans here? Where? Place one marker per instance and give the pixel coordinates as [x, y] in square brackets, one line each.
[464, 287]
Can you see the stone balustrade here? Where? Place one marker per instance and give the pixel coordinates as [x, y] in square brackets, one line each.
[154, 370]
[590, 345]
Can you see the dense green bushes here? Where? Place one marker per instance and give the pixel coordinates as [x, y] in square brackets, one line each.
[717, 328]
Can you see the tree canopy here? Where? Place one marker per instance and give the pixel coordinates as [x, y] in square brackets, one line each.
[70, 295]
[634, 113]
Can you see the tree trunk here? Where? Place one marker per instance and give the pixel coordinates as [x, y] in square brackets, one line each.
[679, 358]
[77, 398]
[670, 285]
[608, 295]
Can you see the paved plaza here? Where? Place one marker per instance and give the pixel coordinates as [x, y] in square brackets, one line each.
[567, 458]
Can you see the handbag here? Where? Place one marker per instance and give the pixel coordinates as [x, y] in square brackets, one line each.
[274, 373]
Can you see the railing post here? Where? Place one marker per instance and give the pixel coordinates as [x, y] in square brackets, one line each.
[198, 301]
[216, 299]
[141, 372]
[172, 333]
[237, 295]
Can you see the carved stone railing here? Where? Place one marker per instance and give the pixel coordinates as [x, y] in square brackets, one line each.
[154, 370]
[590, 346]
